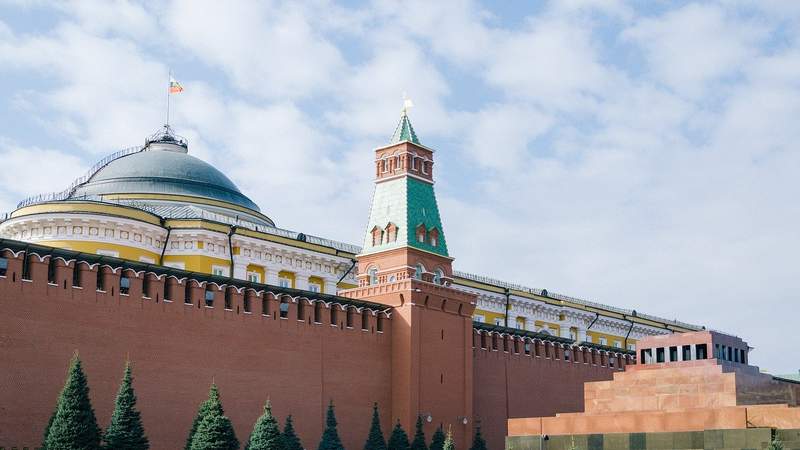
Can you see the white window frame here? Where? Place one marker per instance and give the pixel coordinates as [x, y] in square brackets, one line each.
[284, 282]
[113, 253]
[175, 265]
[253, 277]
[479, 318]
[221, 271]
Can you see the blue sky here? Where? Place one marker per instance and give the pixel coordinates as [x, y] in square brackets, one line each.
[640, 154]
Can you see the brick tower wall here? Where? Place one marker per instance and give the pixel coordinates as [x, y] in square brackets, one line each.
[176, 351]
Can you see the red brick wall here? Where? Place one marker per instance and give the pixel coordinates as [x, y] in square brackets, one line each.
[177, 350]
[508, 385]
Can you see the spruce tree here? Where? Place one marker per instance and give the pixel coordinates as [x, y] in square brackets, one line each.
[449, 443]
[125, 431]
[437, 442]
[419, 437]
[398, 439]
[290, 439]
[375, 440]
[213, 395]
[330, 437]
[214, 429]
[266, 433]
[73, 426]
[478, 443]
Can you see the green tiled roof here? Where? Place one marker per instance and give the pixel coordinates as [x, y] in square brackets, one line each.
[404, 131]
[406, 202]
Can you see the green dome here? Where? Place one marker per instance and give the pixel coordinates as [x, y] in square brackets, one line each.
[157, 171]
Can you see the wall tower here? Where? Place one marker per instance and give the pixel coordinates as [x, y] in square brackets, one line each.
[405, 264]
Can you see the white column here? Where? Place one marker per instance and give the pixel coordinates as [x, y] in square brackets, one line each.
[239, 269]
[330, 286]
[301, 281]
[581, 335]
[564, 330]
[693, 352]
[271, 276]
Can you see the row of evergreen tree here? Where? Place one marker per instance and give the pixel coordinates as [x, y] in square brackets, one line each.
[73, 425]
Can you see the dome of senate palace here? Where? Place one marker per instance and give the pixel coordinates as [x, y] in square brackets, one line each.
[149, 177]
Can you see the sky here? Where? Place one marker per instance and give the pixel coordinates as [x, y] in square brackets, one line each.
[639, 154]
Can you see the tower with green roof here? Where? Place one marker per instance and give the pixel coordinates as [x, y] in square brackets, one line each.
[405, 264]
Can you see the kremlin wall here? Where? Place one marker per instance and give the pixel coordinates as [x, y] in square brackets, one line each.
[157, 257]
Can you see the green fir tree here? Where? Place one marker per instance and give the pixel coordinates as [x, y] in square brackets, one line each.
[437, 442]
[125, 432]
[290, 439]
[214, 430]
[398, 440]
[375, 440]
[73, 426]
[330, 437]
[419, 437]
[449, 443]
[266, 433]
[478, 443]
[213, 396]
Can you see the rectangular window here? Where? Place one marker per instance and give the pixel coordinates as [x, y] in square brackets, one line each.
[687, 352]
[334, 315]
[618, 344]
[26, 266]
[479, 318]
[313, 287]
[717, 351]
[124, 285]
[730, 355]
[603, 341]
[632, 347]
[284, 282]
[284, 309]
[673, 354]
[209, 298]
[660, 355]
[253, 277]
[101, 280]
[3, 266]
[498, 321]
[317, 312]
[76, 275]
[219, 271]
[51, 271]
[228, 299]
[701, 351]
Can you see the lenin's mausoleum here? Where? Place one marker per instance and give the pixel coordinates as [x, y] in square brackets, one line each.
[157, 257]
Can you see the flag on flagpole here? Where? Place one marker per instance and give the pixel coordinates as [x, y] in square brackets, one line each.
[174, 86]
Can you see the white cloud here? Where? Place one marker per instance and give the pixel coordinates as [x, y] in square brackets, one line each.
[268, 49]
[699, 43]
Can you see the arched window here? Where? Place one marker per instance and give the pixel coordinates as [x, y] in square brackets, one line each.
[419, 270]
[373, 275]
[421, 233]
[433, 237]
[438, 276]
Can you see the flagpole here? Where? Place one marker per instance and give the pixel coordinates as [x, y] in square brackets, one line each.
[168, 81]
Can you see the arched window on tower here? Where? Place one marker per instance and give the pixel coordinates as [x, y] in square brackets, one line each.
[418, 271]
[421, 233]
[433, 237]
[373, 275]
[391, 233]
[377, 236]
[438, 276]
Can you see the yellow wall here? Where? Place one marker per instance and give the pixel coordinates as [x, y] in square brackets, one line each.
[197, 263]
[288, 275]
[124, 251]
[319, 282]
[257, 269]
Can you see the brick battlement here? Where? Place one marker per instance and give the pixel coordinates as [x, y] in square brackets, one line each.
[50, 273]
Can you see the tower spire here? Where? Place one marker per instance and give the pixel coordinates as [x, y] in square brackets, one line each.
[404, 130]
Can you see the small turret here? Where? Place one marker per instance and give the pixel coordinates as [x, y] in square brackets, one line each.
[165, 139]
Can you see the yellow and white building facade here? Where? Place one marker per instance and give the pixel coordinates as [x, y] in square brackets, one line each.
[158, 204]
